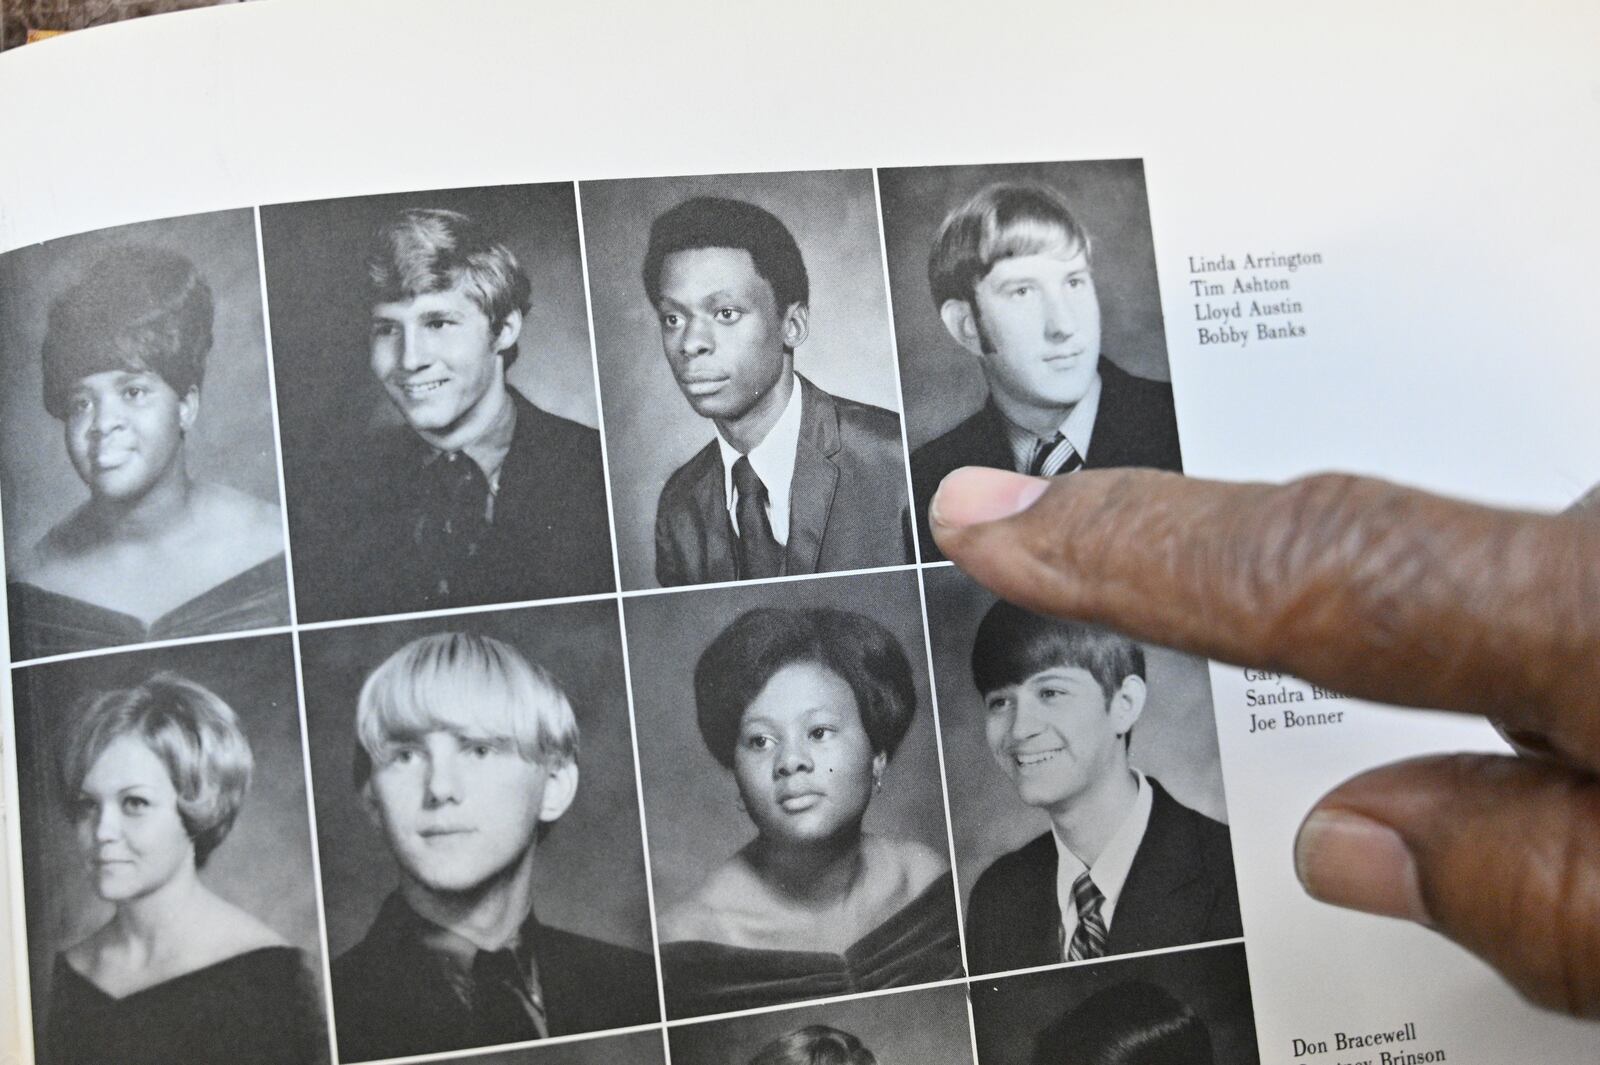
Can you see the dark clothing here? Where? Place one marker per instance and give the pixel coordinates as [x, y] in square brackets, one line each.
[257, 1008]
[917, 945]
[1180, 889]
[1135, 425]
[378, 547]
[49, 623]
[847, 502]
[394, 994]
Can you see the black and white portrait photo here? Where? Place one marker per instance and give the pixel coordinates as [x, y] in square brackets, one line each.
[1028, 319]
[927, 1026]
[136, 440]
[1189, 1006]
[171, 906]
[1085, 785]
[482, 864]
[436, 392]
[747, 375]
[791, 787]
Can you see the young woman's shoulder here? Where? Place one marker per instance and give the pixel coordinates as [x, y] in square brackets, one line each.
[252, 527]
[230, 931]
[908, 864]
[706, 912]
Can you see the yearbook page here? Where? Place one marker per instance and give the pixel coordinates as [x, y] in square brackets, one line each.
[464, 472]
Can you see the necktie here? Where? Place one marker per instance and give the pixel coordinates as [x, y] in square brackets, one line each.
[760, 554]
[1054, 457]
[1089, 941]
[452, 518]
[503, 1011]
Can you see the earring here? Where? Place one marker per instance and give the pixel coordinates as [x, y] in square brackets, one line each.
[877, 782]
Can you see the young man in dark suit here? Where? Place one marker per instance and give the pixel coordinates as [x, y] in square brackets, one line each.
[1011, 276]
[482, 497]
[467, 752]
[1125, 867]
[796, 480]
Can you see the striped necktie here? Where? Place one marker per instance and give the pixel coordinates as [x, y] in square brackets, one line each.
[1054, 457]
[1089, 941]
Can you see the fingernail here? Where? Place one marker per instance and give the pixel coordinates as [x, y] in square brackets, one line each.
[1348, 860]
[973, 495]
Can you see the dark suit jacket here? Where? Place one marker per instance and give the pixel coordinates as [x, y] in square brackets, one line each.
[551, 534]
[390, 997]
[1180, 889]
[1134, 426]
[847, 502]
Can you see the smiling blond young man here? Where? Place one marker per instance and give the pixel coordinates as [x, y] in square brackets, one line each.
[1012, 279]
[467, 753]
[1125, 866]
[483, 497]
[797, 480]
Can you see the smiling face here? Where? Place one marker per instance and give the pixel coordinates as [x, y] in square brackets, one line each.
[459, 808]
[128, 825]
[1058, 737]
[722, 330]
[437, 355]
[1034, 323]
[124, 431]
[804, 764]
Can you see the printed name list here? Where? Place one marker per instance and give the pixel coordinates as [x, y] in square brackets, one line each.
[1248, 300]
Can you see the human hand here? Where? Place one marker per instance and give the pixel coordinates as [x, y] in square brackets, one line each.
[1383, 593]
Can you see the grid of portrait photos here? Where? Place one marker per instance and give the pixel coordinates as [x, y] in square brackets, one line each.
[500, 624]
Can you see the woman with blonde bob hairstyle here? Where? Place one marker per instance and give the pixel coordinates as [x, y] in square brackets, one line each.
[153, 778]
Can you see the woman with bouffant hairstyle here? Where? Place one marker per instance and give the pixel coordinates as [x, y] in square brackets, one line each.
[152, 553]
[806, 707]
[153, 778]
[1131, 1023]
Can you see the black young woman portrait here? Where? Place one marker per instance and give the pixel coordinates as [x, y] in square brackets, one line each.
[153, 552]
[806, 706]
[153, 778]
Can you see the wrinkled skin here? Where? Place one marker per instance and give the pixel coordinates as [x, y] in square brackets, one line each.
[1383, 593]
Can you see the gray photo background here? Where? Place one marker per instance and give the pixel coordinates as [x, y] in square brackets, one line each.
[690, 799]
[1009, 1014]
[232, 441]
[927, 1027]
[635, 1048]
[264, 864]
[589, 873]
[941, 380]
[650, 428]
[1175, 739]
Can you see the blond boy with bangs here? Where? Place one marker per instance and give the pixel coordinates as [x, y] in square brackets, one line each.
[467, 753]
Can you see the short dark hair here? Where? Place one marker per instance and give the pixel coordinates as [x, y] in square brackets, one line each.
[1013, 644]
[420, 250]
[815, 1044]
[999, 222]
[735, 667]
[717, 222]
[137, 308]
[1131, 1023]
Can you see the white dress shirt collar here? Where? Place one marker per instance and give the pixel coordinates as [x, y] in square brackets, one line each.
[1077, 427]
[773, 461]
[1110, 869]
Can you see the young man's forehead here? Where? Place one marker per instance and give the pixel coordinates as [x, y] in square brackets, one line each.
[451, 297]
[1060, 673]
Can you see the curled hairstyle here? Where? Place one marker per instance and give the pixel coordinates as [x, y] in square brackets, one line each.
[137, 308]
[1132, 1023]
[468, 684]
[744, 656]
[715, 222]
[194, 733]
[815, 1044]
[428, 249]
[1013, 644]
[1001, 221]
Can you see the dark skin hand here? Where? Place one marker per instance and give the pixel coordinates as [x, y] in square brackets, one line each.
[1384, 593]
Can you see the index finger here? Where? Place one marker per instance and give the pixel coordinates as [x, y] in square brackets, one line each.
[1354, 584]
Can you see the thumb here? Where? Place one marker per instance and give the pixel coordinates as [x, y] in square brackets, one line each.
[1500, 854]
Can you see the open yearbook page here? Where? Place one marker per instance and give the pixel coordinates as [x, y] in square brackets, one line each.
[464, 472]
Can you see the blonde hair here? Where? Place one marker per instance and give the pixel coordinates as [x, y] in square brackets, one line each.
[466, 683]
[194, 733]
